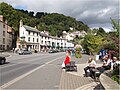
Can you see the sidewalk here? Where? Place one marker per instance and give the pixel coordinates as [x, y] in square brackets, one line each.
[76, 80]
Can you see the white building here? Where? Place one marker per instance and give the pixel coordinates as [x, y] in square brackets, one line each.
[33, 39]
[71, 36]
[68, 36]
[5, 35]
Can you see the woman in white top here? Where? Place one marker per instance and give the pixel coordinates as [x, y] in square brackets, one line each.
[91, 65]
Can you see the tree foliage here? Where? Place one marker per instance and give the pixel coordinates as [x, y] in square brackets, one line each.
[101, 32]
[116, 26]
[92, 43]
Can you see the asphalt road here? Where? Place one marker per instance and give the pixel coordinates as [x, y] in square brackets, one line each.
[20, 64]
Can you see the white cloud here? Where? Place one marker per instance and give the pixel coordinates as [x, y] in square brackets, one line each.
[91, 12]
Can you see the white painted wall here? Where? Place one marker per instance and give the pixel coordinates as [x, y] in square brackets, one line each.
[45, 39]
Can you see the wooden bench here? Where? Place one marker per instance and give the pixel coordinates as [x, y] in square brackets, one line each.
[71, 66]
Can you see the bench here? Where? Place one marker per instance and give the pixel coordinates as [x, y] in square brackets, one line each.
[97, 74]
[71, 66]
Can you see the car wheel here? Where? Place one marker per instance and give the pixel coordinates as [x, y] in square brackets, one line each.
[2, 62]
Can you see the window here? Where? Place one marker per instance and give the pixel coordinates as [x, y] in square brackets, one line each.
[42, 42]
[28, 32]
[29, 39]
[3, 47]
[3, 33]
[33, 39]
[0, 47]
[37, 39]
[3, 25]
[3, 40]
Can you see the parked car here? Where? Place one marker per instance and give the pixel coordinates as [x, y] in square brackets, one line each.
[24, 52]
[2, 60]
[53, 51]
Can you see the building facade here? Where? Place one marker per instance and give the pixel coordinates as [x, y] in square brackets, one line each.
[71, 36]
[5, 35]
[33, 39]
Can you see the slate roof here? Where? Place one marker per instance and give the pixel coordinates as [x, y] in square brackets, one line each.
[30, 28]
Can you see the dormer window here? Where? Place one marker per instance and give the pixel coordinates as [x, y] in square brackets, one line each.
[28, 32]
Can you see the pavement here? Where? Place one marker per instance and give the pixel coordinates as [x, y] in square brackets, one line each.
[76, 80]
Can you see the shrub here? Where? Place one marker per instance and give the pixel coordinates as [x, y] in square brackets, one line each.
[78, 53]
[115, 75]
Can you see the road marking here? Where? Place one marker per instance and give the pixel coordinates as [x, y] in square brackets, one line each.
[26, 74]
[24, 61]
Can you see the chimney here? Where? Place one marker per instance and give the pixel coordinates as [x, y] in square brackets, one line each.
[9, 29]
[35, 27]
[21, 23]
[5, 21]
[1, 18]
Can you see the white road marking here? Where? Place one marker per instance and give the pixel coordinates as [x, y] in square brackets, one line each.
[26, 74]
[22, 62]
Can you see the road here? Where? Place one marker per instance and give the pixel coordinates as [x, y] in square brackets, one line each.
[20, 64]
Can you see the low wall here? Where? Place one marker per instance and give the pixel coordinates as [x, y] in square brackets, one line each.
[107, 82]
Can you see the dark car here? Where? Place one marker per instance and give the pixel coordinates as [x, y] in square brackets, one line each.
[24, 52]
[53, 51]
[2, 60]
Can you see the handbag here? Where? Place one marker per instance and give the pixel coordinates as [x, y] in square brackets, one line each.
[63, 65]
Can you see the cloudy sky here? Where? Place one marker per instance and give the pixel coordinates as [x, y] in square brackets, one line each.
[94, 13]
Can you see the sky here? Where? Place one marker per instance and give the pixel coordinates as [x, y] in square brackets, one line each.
[94, 13]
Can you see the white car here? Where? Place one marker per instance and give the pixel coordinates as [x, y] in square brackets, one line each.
[24, 52]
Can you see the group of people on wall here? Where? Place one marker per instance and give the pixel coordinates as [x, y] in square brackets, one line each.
[108, 59]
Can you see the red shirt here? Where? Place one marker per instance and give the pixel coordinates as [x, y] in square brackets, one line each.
[67, 60]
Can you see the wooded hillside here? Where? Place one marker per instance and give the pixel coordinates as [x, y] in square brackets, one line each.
[53, 22]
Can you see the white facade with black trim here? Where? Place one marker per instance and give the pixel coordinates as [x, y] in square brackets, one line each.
[33, 39]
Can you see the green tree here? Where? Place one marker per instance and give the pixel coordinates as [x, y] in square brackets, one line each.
[116, 26]
[101, 32]
[92, 43]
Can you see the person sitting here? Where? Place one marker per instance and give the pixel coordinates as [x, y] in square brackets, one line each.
[113, 63]
[107, 65]
[90, 66]
[67, 59]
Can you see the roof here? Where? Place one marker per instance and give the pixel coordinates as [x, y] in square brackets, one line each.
[30, 28]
